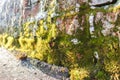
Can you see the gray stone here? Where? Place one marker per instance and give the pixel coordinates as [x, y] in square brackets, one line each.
[102, 2]
[52, 70]
[99, 16]
[112, 17]
[11, 69]
[10, 13]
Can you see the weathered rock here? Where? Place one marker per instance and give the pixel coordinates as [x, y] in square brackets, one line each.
[112, 17]
[107, 27]
[52, 70]
[102, 2]
[66, 4]
[91, 22]
[99, 16]
[10, 13]
[73, 26]
[106, 21]
[30, 8]
[11, 69]
[15, 12]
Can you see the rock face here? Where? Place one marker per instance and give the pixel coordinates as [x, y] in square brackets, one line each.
[52, 70]
[16, 12]
[10, 13]
[102, 2]
[13, 69]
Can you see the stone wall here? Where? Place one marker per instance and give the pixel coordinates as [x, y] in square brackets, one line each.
[101, 10]
[71, 14]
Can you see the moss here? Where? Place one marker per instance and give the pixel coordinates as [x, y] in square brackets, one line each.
[55, 46]
[113, 68]
[22, 42]
[1, 40]
[117, 21]
[85, 8]
[9, 42]
[116, 8]
[101, 75]
[79, 74]
[5, 39]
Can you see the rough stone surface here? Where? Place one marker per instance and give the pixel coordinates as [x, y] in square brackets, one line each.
[52, 70]
[107, 28]
[17, 11]
[112, 17]
[10, 12]
[99, 16]
[13, 69]
[102, 2]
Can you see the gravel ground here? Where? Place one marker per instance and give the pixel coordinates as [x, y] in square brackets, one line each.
[14, 69]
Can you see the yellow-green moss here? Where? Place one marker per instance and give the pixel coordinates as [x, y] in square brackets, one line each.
[113, 67]
[79, 74]
[1, 40]
[9, 43]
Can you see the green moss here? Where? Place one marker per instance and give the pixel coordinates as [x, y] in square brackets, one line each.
[55, 47]
[9, 43]
[101, 75]
[1, 40]
[79, 74]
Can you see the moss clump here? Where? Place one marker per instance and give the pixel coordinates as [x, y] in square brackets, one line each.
[9, 43]
[113, 68]
[1, 40]
[79, 74]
